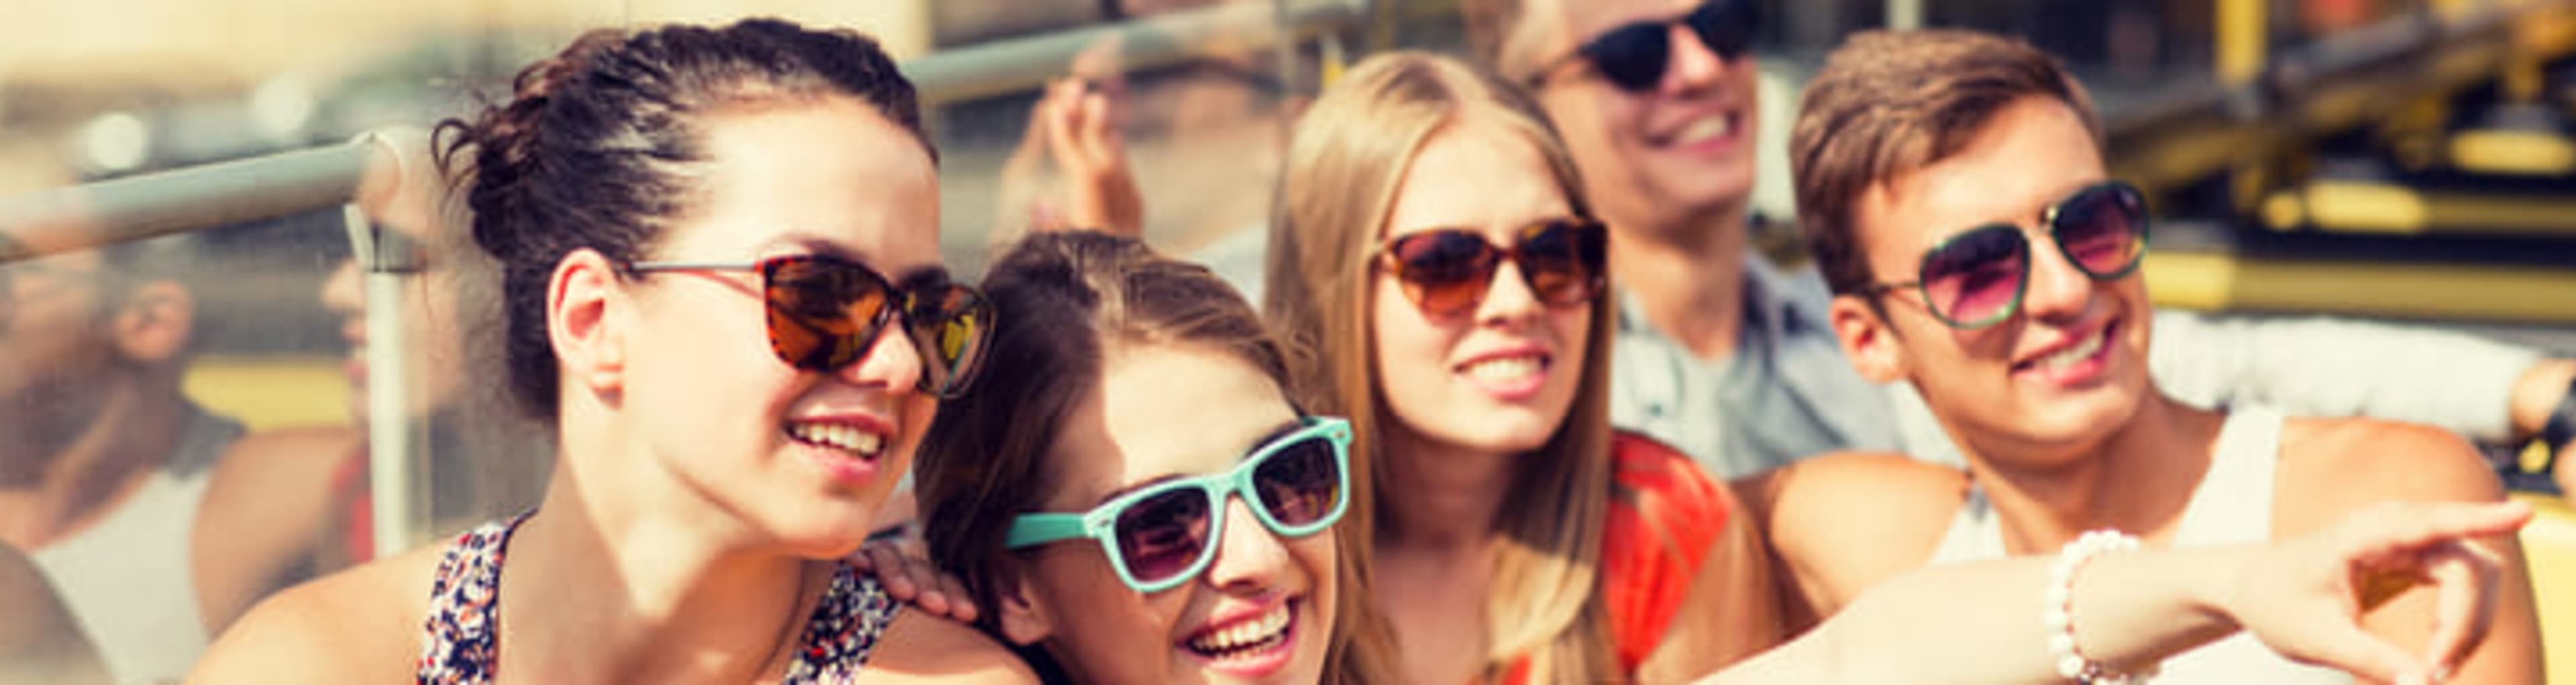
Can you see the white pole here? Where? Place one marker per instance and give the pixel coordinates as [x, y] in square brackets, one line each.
[1905, 15]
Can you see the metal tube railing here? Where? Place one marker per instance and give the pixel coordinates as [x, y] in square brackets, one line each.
[94, 214]
[1021, 64]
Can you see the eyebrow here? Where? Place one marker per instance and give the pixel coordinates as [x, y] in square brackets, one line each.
[1276, 432]
[816, 244]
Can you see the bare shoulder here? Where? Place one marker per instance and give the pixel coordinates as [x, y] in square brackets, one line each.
[2331, 466]
[299, 453]
[920, 647]
[1867, 489]
[1842, 522]
[298, 465]
[358, 625]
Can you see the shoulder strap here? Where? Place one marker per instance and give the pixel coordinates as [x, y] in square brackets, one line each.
[844, 628]
[461, 639]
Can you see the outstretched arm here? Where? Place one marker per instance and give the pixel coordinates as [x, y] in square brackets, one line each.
[1981, 623]
[2490, 391]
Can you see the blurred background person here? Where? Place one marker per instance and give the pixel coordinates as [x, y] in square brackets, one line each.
[119, 486]
[41, 642]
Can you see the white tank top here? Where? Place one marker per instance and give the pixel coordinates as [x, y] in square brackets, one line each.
[128, 579]
[2233, 505]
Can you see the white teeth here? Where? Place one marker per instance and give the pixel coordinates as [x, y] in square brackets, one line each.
[1258, 632]
[2080, 352]
[1503, 369]
[838, 436]
[1707, 129]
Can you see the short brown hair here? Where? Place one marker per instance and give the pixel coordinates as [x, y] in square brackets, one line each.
[1889, 102]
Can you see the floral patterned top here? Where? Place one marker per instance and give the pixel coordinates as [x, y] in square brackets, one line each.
[463, 640]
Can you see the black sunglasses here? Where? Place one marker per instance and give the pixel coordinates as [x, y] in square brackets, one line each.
[825, 312]
[1633, 55]
[1976, 279]
[1447, 271]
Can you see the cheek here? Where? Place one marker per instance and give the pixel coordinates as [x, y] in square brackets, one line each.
[1102, 628]
[1573, 326]
[1406, 342]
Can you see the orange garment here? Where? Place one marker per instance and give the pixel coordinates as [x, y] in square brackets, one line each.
[1665, 517]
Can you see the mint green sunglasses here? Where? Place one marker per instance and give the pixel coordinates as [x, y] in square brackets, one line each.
[1158, 537]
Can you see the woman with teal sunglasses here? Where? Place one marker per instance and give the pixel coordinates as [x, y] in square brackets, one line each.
[1133, 498]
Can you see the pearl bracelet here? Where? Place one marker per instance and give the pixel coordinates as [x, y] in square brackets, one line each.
[2060, 612]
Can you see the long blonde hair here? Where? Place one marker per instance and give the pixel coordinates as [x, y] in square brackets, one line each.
[1345, 160]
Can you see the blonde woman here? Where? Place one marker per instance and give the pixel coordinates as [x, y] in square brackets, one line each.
[1434, 246]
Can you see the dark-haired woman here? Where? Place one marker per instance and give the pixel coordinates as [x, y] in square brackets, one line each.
[722, 286]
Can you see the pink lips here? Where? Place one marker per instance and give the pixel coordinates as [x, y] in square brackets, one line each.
[840, 466]
[1261, 664]
[2080, 372]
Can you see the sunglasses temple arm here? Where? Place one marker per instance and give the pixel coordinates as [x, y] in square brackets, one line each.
[1038, 529]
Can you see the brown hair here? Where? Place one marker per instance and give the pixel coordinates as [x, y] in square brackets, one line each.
[1061, 301]
[592, 149]
[1494, 34]
[1345, 160]
[1889, 102]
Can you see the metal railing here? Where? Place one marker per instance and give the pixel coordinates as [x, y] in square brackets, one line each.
[93, 215]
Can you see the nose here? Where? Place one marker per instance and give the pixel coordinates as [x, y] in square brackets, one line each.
[1693, 65]
[891, 362]
[1248, 556]
[340, 292]
[1508, 298]
[2057, 290]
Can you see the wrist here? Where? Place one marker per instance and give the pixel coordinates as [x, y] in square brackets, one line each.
[2064, 644]
[2545, 393]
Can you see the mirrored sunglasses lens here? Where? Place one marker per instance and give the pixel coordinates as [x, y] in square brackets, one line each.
[2103, 229]
[949, 326]
[1160, 536]
[1300, 483]
[1976, 276]
[821, 311]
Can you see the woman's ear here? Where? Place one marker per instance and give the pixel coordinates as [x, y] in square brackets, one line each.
[1024, 621]
[585, 308]
[1868, 340]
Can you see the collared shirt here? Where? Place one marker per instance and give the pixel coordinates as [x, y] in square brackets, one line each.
[1788, 392]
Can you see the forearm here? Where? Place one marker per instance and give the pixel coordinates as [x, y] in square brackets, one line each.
[1981, 623]
[2320, 366]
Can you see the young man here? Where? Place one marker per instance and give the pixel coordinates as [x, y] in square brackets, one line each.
[1734, 360]
[1952, 188]
[127, 496]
